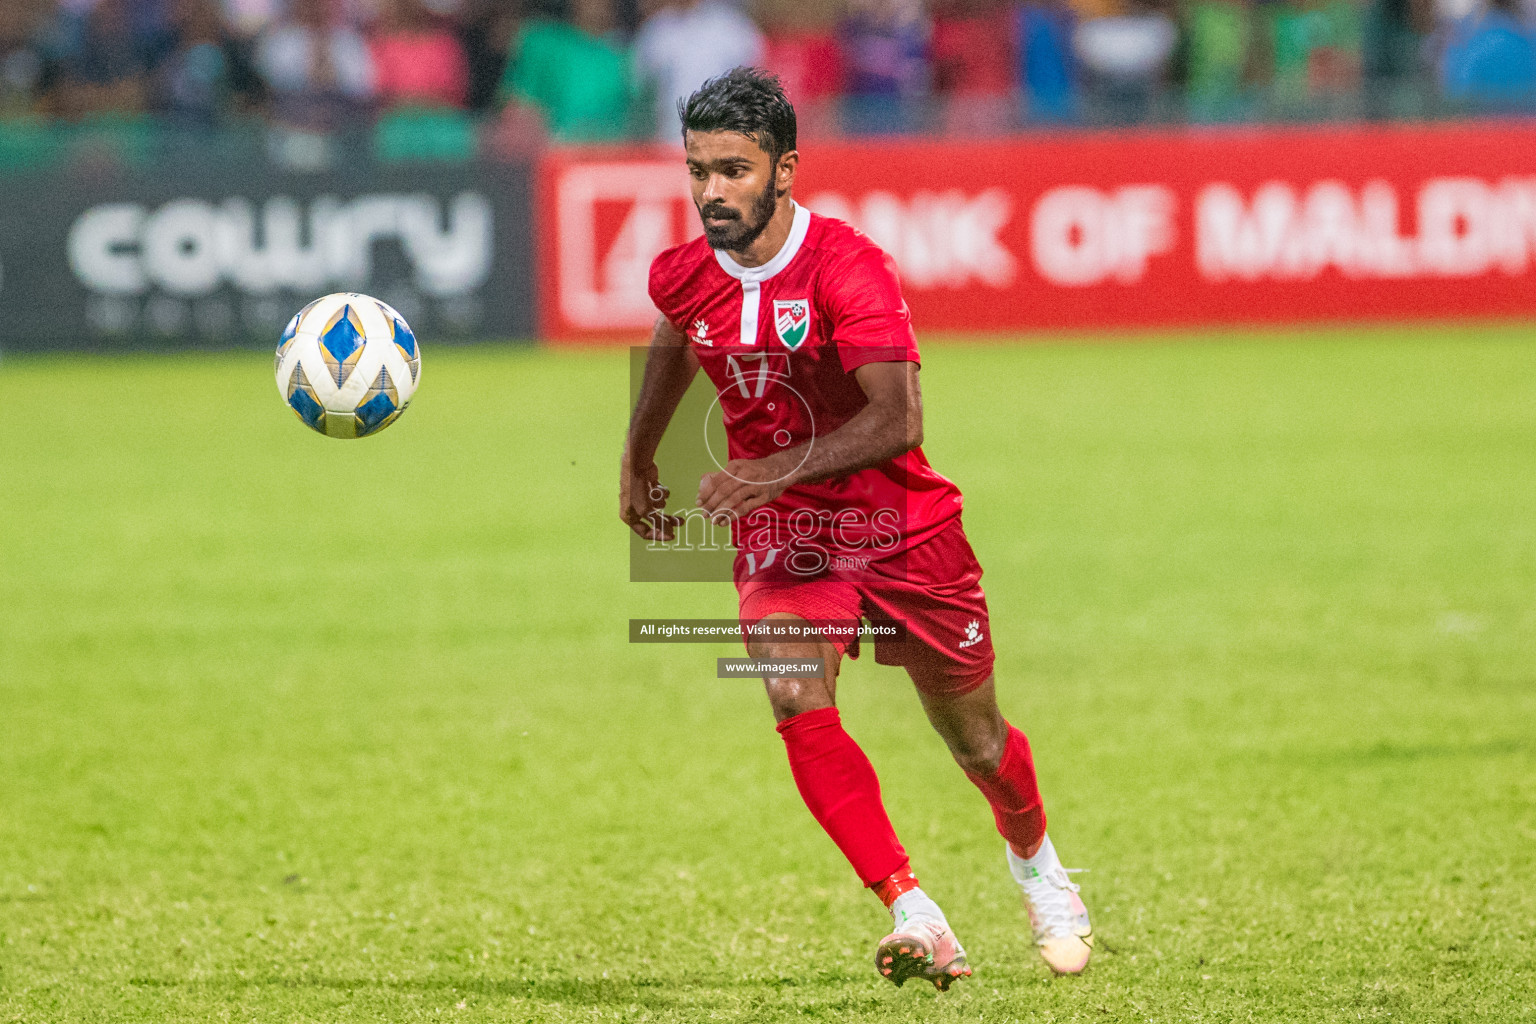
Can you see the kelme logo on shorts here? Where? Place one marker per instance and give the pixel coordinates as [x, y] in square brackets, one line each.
[792, 321]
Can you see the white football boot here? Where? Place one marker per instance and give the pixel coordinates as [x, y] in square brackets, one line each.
[1056, 911]
[920, 945]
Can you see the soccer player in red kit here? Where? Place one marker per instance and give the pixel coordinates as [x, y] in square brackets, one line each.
[799, 323]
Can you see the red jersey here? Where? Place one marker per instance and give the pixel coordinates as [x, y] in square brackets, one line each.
[780, 342]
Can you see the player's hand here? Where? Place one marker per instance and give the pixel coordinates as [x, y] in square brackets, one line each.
[642, 500]
[745, 485]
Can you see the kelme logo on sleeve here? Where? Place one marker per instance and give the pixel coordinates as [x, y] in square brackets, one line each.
[792, 321]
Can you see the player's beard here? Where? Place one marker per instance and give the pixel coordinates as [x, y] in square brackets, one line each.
[737, 233]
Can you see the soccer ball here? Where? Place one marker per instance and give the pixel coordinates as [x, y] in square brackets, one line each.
[348, 365]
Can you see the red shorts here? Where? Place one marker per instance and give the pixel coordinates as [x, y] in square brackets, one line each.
[932, 588]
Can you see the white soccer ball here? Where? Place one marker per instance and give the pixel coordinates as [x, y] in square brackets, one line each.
[348, 365]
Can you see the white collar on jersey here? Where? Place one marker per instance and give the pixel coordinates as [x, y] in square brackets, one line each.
[797, 230]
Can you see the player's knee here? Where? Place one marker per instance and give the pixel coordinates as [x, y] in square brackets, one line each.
[978, 750]
[801, 688]
[791, 694]
[808, 689]
[979, 762]
[791, 697]
[973, 728]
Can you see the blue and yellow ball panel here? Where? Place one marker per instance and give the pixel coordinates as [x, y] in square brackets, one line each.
[341, 343]
[285, 340]
[405, 341]
[383, 385]
[380, 406]
[301, 398]
[402, 336]
[299, 380]
[375, 414]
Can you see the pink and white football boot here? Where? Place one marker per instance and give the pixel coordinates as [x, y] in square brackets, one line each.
[1056, 911]
[921, 944]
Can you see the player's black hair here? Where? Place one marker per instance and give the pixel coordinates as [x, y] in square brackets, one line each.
[747, 101]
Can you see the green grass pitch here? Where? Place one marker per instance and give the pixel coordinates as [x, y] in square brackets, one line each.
[294, 729]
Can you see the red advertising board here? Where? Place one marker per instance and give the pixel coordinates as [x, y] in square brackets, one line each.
[1104, 231]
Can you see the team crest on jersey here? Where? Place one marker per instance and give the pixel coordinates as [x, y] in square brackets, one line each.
[792, 321]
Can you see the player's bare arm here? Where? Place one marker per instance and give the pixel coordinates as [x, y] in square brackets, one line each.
[670, 366]
[890, 425]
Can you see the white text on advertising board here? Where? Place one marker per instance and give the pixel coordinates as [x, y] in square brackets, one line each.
[1466, 227]
[939, 239]
[192, 247]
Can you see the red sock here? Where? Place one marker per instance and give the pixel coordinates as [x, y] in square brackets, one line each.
[1015, 795]
[838, 784]
[889, 888]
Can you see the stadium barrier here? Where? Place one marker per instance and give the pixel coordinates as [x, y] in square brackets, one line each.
[1088, 232]
[182, 254]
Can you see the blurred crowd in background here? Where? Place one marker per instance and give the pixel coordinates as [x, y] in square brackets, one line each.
[448, 78]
